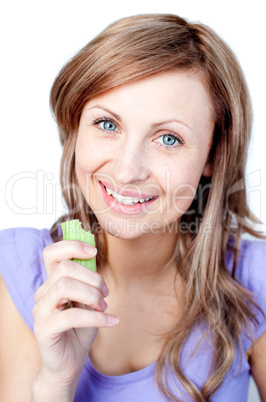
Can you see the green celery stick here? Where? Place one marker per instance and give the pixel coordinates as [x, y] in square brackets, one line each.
[72, 230]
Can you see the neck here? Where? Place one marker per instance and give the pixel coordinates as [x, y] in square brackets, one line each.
[144, 260]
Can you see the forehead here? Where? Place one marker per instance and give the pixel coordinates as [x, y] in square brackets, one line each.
[177, 92]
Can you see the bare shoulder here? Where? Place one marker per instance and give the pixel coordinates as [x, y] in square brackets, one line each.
[257, 360]
[19, 356]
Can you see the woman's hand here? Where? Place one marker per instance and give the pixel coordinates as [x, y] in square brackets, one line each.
[64, 335]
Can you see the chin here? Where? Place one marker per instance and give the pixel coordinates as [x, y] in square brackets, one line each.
[128, 229]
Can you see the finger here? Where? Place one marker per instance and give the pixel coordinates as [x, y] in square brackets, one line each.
[66, 250]
[80, 318]
[66, 289]
[76, 271]
[73, 318]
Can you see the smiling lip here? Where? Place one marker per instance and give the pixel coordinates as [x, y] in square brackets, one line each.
[124, 209]
[127, 193]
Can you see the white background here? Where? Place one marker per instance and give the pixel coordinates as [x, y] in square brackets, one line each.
[37, 38]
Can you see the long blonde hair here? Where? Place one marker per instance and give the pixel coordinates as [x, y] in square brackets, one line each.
[137, 47]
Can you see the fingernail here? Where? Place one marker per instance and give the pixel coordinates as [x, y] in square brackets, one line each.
[90, 250]
[103, 305]
[105, 290]
[112, 320]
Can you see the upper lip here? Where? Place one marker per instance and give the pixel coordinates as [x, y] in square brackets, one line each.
[127, 193]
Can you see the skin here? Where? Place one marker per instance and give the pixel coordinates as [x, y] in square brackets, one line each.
[139, 276]
[133, 157]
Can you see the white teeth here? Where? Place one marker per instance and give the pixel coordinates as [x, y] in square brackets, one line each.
[109, 192]
[126, 200]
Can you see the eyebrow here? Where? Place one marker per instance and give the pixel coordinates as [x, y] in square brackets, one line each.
[106, 110]
[170, 121]
[154, 125]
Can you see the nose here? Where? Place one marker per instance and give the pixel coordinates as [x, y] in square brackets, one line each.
[130, 162]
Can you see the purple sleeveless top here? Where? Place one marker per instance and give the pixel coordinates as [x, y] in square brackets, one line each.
[23, 271]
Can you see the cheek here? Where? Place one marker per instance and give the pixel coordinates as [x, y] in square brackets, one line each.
[88, 158]
[83, 166]
[183, 188]
[183, 196]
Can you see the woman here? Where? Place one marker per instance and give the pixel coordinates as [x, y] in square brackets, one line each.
[154, 116]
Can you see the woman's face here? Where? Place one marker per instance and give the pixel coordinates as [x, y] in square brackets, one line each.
[142, 149]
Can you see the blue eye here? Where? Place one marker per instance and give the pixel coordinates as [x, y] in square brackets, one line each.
[105, 124]
[108, 125]
[169, 139]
